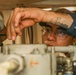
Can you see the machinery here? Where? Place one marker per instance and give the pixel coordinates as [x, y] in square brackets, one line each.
[37, 59]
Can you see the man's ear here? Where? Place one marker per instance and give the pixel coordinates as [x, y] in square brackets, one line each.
[74, 41]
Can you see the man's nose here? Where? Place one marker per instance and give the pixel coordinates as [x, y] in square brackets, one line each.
[51, 36]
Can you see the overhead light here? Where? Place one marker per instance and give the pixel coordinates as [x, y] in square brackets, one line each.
[69, 8]
[48, 9]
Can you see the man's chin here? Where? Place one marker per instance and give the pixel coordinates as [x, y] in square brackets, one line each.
[48, 43]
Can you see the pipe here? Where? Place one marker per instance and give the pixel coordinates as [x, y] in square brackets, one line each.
[8, 66]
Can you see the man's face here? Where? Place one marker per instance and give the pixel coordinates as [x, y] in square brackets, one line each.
[53, 36]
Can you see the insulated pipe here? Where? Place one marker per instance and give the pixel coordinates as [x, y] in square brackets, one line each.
[14, 63]
[8, 66]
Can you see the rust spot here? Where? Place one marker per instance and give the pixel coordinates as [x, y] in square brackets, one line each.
[32, 63]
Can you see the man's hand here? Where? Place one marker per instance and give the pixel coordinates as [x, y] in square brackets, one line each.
[21, 18]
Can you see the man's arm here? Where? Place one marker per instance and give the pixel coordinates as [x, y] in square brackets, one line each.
[24, 17]
[63, 20]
